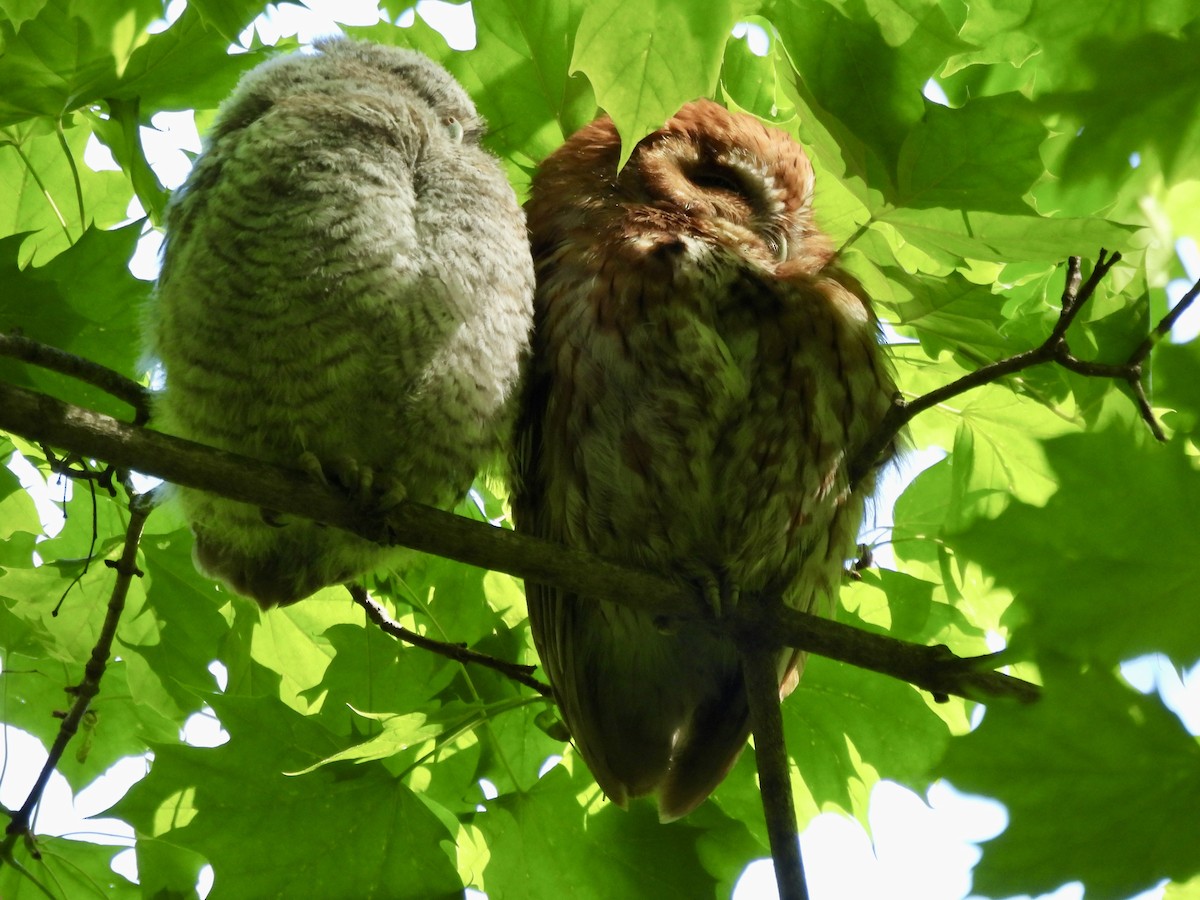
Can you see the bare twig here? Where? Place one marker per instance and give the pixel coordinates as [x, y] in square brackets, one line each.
[457, 652]
[108, 380]
[41, 418]
[140, 508]
[1054, 349]
[761, 674]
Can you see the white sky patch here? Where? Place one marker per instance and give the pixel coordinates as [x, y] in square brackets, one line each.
[934, 93]
[219, 672]
[1179, 693]
[165, 144]
[550, 763]
[47, 495]
[21, 759]
[173, 11]
[455, 23]
[203, 729]
[97, 157]
[146, 259]
[893, 480]
[755, 36]
[1187, 327]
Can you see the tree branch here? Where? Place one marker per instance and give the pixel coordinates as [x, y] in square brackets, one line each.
[457, 652]
[108, 380]
[140, 506]
[1054, 349]
[41, 418]
[761, 674]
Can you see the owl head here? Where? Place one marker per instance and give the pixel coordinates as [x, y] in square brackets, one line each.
[708, 175]
[339, 67]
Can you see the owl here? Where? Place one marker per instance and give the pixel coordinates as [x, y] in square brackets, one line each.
[346, 287]
[703, 375]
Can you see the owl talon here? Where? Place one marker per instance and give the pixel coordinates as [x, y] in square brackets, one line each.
[390, 493]
[311, 466]
[719, 593]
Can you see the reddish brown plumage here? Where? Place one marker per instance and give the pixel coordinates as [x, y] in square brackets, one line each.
[702, 375]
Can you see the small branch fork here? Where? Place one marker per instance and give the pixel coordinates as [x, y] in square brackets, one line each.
[1054, 349]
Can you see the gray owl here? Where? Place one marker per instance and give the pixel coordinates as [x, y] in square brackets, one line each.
[347, 282]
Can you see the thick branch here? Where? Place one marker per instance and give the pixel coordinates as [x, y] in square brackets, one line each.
[108, 380]
[41, 418]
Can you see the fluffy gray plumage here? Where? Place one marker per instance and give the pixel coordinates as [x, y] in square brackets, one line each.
[346, 276]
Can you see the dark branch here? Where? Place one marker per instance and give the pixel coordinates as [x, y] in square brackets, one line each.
[1054, 349]
[139, 508]
[457, 652]
[108, 380]
[41, 418]
[761, 673]
[934, 669]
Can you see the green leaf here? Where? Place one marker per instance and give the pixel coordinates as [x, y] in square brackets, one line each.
[188, 66]
[227, 19]
[545, 838]
[83, 301]
[46, 181]
[752, 82]
[982, 156]
[1093, 760]
[222, 801]
[76, 869]
[1144, 98]
[949, 233]
[68, 55]
[1083, 578]
[846, 728]
[630, 51]
[866, 62]
[21, 11]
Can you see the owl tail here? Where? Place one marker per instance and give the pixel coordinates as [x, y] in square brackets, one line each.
[718, 735]
[651, 713]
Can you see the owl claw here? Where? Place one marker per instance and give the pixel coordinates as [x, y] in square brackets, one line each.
[359, 482]
[390, 493]
[342, 472]
[719, 593]
[311, 466]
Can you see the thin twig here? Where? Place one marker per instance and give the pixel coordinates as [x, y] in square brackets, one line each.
[108, 380]
[41, 418]
[1054, 349]
[761, 674]
[140, 508]
[1164, 327]
[457, 652]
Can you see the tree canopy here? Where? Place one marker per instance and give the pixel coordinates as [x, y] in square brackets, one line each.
[1055, 521]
